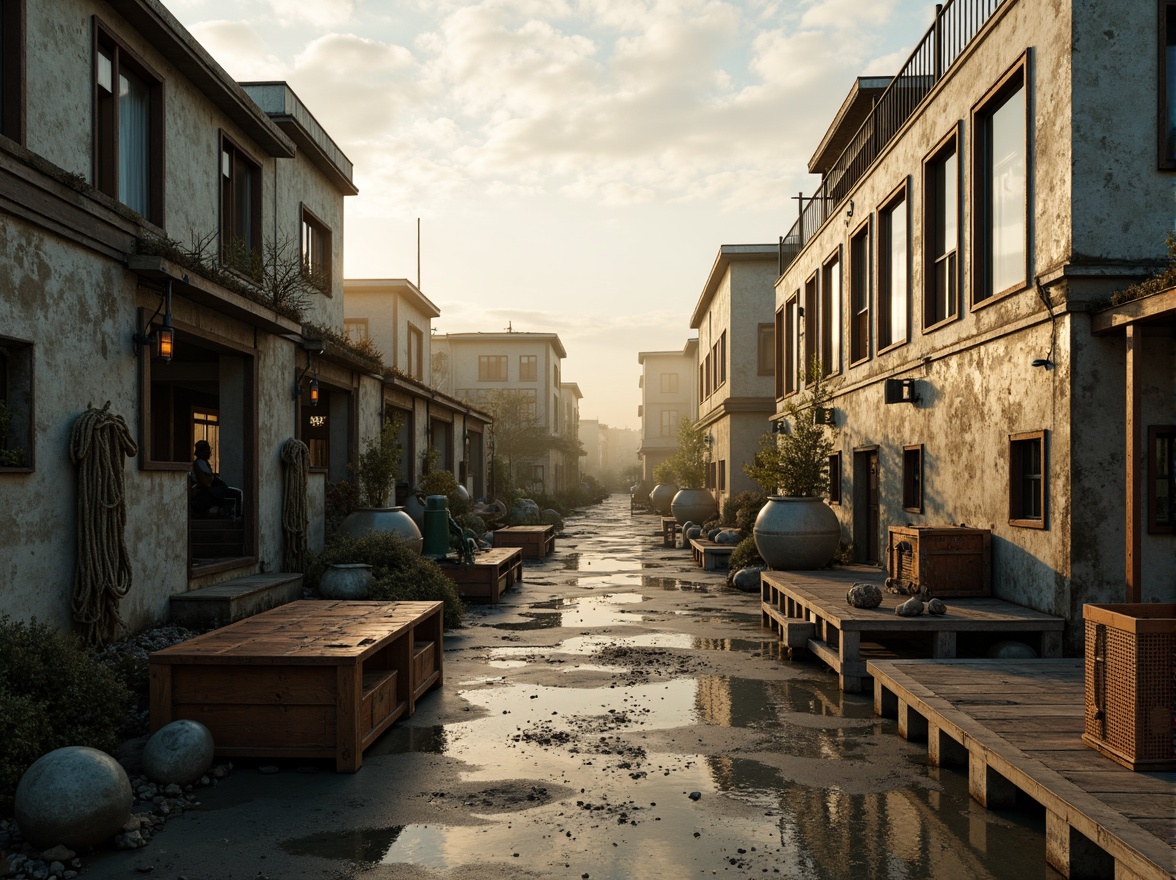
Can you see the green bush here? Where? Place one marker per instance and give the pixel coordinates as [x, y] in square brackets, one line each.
[745, 554]
[53, 693]
[473, 522]
[398, 574]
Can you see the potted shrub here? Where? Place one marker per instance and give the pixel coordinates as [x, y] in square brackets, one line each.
[795, 529]
[692, 503]
[664, 488]
[379, 466]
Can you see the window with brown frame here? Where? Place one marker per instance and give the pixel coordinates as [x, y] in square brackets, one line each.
[711, 475]
[240, 209]
[1161, 479]
[791, 344]
[831, 316]
[722, 473]
[721, 363]
[1027, 480]
[528, 367]
[128, 126]
[491, 368]
[1001, 174]
[765, 342]
[912, 478]
[1167, 84]
[778, 353]
[356, 329]
[893, 271]
[859, 294]
[941, 234]
[416, 352]
[669, 423]
[316, 250]
[810, 320]
[12, 69]
[835, 478]
[16, 405]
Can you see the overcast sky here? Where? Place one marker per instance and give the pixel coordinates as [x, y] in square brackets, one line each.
[575, 165]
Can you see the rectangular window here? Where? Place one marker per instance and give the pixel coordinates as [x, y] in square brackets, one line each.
[835, 478]
[778, 354]
[669, 422]
[491, 368]
[1000, 175]
[1167, 84]
[1027, 480]
[316, 251]
[893, 277]
[711, 476]
[16, 405]
[356, 329]
[128, 127]
[765, 343]
[831, 317]
[1161, 479]
[528, 368]
[12, 69]
[859, 295]
[669, 383]
[709, 373]
[912, 479]
[240, 209]
[722, 473]
[416, 353]
[722, 359]
[791, 344]
[810, 317]
[701, 383]
[941, 235]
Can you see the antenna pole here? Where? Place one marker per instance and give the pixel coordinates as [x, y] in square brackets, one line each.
[418, 253]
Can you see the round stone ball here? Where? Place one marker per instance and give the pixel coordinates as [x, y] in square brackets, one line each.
[728, 536]
[76, 796]
[179, 752]
[693, 531]
[747, 580]
[1011, 650]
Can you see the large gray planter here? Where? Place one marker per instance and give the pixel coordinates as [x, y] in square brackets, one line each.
[363, 520]
[796, 534]
[694, 505]
[661, 497]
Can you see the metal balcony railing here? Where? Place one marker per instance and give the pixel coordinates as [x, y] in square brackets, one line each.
[956, 23]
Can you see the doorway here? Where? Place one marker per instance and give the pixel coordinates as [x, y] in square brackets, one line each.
[866, 505]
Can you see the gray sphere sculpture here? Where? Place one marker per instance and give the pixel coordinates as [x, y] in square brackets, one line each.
[180, 752]
[76, 796]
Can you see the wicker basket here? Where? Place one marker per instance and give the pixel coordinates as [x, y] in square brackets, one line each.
[1130, 683]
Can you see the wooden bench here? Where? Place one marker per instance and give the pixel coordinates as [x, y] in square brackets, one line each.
[710, 556]
[671, 531]
[536, 542]
[310, 679]
[808, 610]
[492, 573]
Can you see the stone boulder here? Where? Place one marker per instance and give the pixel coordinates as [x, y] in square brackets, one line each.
[747, 580]
[75, 796]
[936, 606]
[692, 532]
[728, 536]
[912, 607]
[180, 753]
[863, 595]
[551, 517]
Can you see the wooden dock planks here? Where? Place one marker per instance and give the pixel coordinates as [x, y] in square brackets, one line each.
[1018, 725]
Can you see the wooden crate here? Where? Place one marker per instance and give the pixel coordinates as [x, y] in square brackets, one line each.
[951, 562]
[536, 542]
[1130, 699]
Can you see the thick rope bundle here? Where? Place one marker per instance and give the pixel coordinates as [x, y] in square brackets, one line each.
[295, 513]
[99, 443]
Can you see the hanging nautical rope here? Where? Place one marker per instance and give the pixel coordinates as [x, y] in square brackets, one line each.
[98, 444]
[295, 515]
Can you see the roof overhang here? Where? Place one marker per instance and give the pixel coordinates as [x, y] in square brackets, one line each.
[852, 113]
[392, 285]
[1156, 312]
[728, 254]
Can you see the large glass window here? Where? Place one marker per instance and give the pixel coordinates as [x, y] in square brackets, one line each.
[128, 129]
[1001, 175]
[941, 236]
[1167, 84]
[240, 209]
[859, 292]
[810, 317]
[316, 250]
[831, 317]
[791, 352]
[893, 274]
[492, 368]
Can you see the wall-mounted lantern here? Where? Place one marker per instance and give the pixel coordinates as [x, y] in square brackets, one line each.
[901, 391]
[163, 339]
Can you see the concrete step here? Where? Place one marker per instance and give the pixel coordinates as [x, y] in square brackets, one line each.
[233, 600]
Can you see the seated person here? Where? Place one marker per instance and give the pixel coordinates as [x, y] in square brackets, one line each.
[209, 490]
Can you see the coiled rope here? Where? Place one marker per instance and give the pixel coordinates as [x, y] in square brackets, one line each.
[295, 514]
[98, 444]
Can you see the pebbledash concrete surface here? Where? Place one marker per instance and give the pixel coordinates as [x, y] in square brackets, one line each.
[619, 714]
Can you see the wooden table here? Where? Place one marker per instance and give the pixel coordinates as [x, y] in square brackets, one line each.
[710, 556]
[310, 679]
[492, 573]
[536, 542]
[808, 610]
[670, 529]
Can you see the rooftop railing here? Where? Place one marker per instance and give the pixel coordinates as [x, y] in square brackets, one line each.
[956, 23]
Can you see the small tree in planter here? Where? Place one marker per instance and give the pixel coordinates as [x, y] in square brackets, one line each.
[797, 530]
[378, 468]
[692, 503]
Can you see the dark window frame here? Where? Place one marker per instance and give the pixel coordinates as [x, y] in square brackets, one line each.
[831, 314]
[18, 367]
[791, 345]
[12, 73]
[1022, 505]
[912, 478]
[778, 354]
[315, 239]
[860, 293]
[1166, 79]
[887, 341]
[1015, 79]
[105, 109]
[248, 262]
[835, 478]
[933, 218]
[810, 315]
[765, 344]
[1156, 434]
[415, 356]
[486, 374]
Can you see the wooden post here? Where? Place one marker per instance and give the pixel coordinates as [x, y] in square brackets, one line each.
[1134, 459]
[987, 787]
[942, 750]
[1073, 854]
[911, 725]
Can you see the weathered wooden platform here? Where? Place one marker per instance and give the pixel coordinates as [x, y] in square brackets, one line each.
[808, 610]
[536, 542]
[671, 529]
[1017, 726]
[311, 679]
[710, 556]
[492, 573]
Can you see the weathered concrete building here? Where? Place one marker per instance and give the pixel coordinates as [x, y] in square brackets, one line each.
[734, 320]
[974, 214]
[142, 190]
[669, 393]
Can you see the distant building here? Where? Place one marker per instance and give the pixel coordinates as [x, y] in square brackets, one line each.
[669, 393]
[608, 452]
[734, 319]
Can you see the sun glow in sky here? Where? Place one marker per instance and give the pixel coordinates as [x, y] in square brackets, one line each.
[575, 164]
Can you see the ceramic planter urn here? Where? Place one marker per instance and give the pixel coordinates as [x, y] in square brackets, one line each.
[382, 519]
[349, 580]
[796, 533]
[661, 497]
[694, 505]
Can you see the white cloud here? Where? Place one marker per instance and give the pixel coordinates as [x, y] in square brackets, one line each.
[848, 14]
[240, 50]
[319, 13]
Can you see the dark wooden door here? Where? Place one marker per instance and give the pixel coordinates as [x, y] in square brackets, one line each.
[872, 508]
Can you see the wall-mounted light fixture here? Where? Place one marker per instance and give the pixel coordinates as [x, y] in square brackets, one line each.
[823, 416]
[849, 212]
[901, 391]
[1042, 362]
[780, 426]
[163, 338]
[311, 347]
